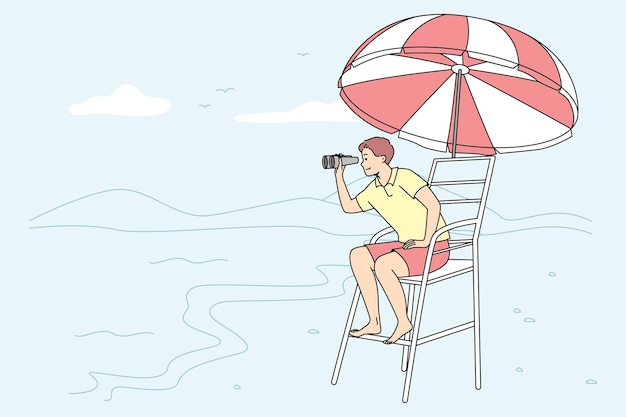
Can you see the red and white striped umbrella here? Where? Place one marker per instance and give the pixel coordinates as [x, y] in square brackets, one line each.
[461, 84]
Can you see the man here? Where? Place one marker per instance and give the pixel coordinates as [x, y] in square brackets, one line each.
[405, 201]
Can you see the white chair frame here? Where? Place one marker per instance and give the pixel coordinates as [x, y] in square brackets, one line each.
[452, 268]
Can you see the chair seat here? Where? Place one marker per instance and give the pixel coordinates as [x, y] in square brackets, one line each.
[451, 269]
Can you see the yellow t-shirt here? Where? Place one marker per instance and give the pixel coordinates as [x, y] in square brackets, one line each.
[396, 203]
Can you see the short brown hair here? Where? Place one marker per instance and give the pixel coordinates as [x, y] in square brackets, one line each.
[379, 147]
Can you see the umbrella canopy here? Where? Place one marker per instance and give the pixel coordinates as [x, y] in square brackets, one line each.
[457, 83]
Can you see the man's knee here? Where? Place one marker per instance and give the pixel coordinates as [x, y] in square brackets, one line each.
[383, 264]
[360, 255]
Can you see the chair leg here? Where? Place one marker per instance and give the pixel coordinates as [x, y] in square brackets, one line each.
[407, 336]
[477, 363]
[414, 336]
[346, 335]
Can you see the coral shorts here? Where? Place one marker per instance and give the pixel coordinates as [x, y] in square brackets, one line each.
[415, 258]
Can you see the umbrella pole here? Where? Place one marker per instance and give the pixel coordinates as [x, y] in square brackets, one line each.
[457, 94]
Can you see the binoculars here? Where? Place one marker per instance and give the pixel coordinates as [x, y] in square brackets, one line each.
[332, 161]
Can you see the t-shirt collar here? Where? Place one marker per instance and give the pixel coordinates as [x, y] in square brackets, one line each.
[392, 178]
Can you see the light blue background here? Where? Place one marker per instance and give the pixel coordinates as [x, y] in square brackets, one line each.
[262, 263]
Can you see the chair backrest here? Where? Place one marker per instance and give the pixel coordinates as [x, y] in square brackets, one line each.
[462, 184]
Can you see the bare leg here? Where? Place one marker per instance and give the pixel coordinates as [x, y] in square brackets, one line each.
[363, 269]
[388, 268]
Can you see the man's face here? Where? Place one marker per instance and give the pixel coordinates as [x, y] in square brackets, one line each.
[371, 164]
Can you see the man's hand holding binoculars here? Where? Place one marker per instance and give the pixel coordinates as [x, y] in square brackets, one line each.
[339, 168]
[338, 162]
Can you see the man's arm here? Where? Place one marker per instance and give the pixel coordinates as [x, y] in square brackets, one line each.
[349, 205]
[433, 208]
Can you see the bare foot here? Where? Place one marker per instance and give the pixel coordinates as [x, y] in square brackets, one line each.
[401, 329]
[370, 328]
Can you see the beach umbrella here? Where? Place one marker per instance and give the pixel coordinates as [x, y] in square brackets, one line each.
[461, 84]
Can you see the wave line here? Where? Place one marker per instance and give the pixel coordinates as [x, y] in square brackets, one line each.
[174, 208]
[535, 228]
[187, 260]
[114, 334]
[196, 230]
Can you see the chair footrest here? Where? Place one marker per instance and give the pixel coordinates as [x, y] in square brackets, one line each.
[421, 340]
[377, 338]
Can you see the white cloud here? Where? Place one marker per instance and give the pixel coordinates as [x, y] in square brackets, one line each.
[126, 100]
[336, 111]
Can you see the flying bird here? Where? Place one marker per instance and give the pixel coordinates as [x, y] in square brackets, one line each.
[303, 53]
[204, 105]
[225, 90]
